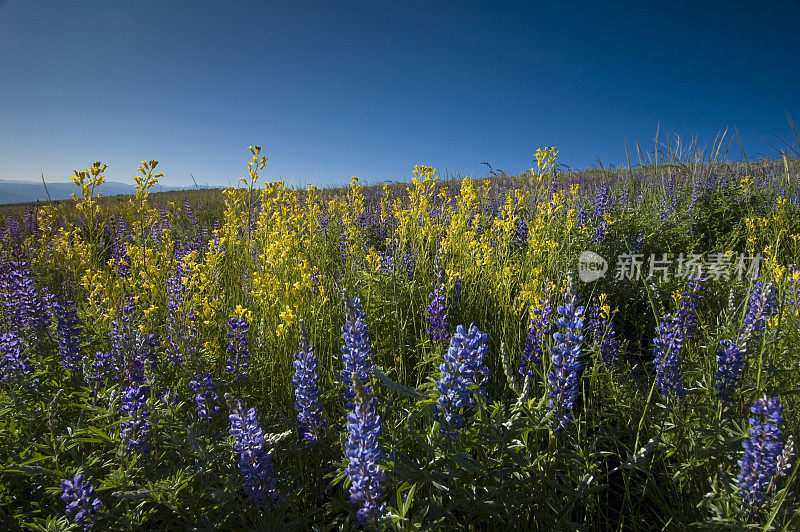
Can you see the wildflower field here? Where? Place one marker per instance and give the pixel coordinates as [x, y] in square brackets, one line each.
[412, 356]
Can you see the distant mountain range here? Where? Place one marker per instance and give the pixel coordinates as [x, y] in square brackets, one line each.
[25, 191]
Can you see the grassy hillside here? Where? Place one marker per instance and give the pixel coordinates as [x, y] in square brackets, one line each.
[413, 355]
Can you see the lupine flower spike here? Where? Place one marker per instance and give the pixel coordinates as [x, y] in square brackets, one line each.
[363, 454]
[14, 362]
[670, 336]
[603, 332]
[731, 359]
[82, 506]
[204, 387]
[463, 377]
[68, 333]
[306, 391]
[539, 329]
[255, 462]
[563, 378]
[437, 308]
[26, 308]
[181, 329]
[133, 404]
[437, 313]
[690, 298]
[762, 452]
[238, 365]
[356, 351]
[668, 342]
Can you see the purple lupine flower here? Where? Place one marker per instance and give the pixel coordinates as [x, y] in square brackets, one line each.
[26, 308]
[31, 221]
[13, 230]
[386, 260]
[14, 362]
[81, 503]
[122, 260]
[68, 333]
[731, 364]
[437, 313]
[238, 365]
[363, 453]
[119, 250]
[133, 404]
[759, 463]
[601, 208]
[391, 260]
[731, 359]
[762, 304]
[306, 392]
[539, 329]
[187, 207]
[670, 201]
[105, 366]
[314, 278]
[43, 308]
[710, 181]
[124, 343]
[668, 342]
[181, 328]
[602, 229]
[593, 321]
[463, 369]
[687, 313]
[408, 263]
[603, 333]
[583, 219]
[174, 302]
[163, 212]
[637, 245]
[344, 248]
[602, 201]
[204, 387]
[623, 200]
[255, 462]
[566, 354]
[356, 351]
[147, 348]
[609, 346]
[521, 231]
[696, 191]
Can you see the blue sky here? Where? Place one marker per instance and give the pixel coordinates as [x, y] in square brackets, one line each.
[334, 89]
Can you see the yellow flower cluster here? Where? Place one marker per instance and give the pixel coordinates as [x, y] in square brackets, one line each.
[746, 183]
[281, 274]
[545, 158]
[605, 309]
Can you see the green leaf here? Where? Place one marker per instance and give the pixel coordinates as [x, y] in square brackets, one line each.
[399, 389]
[409, 499]
[466, 463]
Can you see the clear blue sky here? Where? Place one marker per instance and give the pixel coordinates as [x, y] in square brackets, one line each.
[332, 89]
